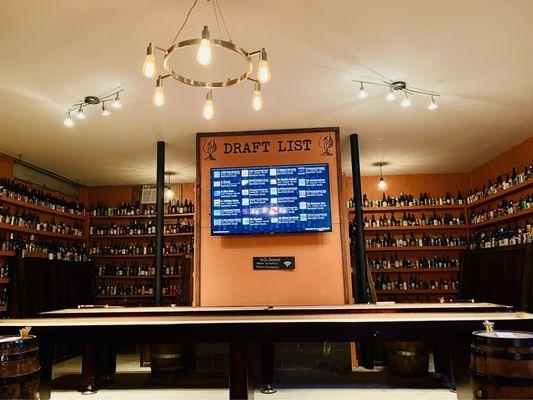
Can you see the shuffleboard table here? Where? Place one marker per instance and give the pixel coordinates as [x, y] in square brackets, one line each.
[450, 324]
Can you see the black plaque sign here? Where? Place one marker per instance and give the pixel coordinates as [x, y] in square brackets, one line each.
[274, 263]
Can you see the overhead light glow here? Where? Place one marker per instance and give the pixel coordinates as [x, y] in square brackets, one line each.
[363, 94]
[149, 68]
[208, 110]
[68, 121]
[105, 111]
[390, 96]
[159, 94]
[263, 72]
[433, 105]
[116, 103]
[257, 99]
[406, 102]
[81, 114]
[204, 51]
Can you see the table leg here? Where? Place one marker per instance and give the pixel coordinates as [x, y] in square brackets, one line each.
[240, 373]
[267, 368]
[460, 360]
[88, 370]
[46, 360]
[106, 362]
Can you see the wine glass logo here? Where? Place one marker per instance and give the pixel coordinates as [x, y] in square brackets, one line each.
[326, 144]
[210, 148]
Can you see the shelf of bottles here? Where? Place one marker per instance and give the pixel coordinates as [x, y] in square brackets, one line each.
[122, 245]
[501, 213]
[413, 244]
[38, 223]
[6, 260]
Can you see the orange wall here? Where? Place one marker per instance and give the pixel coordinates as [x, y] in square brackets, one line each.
[226, 275]
[6, 167]
[518, 157]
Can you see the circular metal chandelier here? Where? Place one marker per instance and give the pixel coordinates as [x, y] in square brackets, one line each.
[204, 43]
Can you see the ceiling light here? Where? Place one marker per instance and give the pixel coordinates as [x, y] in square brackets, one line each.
[362, 92]
[263, 72]
[390, 96]
[79, 107]
[68, 121]
[80, 114]
[169, 193]
[149, 69]
[432, 106]
[204, 51]
[105, 111]
[382, 185]
[406, 102]
[257, 99]
[208, 106]
[116, 103]
[159, 94]
[204, 57]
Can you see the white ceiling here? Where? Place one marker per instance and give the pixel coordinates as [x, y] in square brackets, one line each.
[477, 53]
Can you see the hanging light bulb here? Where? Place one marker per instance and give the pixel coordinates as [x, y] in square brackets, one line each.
[105, 111]
[159, 94]
[169, 193]
[382, 185]
[257, 99]
[81, 114]
[406, 102]
[204, 52]
[116, 103]
[362, 92]
[390, 96]
[149, 68]
[68, 121]
[263, 72]
[208, 106]
[432, 106]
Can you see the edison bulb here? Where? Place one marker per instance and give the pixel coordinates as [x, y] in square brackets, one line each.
[159, 96]
[263, 72]
[382, 185]
[257, 100]
[169, 194]
[208, 109]
[204, 52]
[149, 68]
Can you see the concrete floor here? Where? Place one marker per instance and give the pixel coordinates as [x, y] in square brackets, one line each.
[134, 383]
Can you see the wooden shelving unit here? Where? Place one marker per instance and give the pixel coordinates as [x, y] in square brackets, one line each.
[134, 296]
[377, 210]
[134, 278]
[502, 193]
[187, 256]
[416, 248]
[41, 209]
[129, 217]
[412, 270]
[418, 291]
[8, 253]
[416, 228]
[22, 229]
[139, 236]
[503, 218]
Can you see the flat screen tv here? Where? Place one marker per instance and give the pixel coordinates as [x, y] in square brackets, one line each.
[270, 199]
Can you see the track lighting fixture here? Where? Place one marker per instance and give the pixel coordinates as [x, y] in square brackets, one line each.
[204, 57]
[401, 86]
[80, 107]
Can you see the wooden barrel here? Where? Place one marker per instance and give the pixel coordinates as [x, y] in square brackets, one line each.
[19, 368]
[501, 365]
[408, 358]
[167, 360]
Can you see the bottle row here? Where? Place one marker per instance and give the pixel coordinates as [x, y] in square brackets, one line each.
[33, 221]
[4, 269]
[504, 236]
[140, 228]
[422, 262]
[3, 296]
[135, 269]
[414, 283]
[51, 249]
[501, 183]
[134, 290]
[409, 219]
[404, 200]
[387, 240]
[136, 208]
[121, 248]
[506, 207]
[22, 192]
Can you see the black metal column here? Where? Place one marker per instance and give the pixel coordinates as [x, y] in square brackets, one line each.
[362, 295]
[159, 210]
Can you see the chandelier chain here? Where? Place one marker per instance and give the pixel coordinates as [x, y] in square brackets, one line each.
[223, 21]
[185, 21]
[216, 19]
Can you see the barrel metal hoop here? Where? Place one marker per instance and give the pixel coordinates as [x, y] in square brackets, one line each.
[499, 380]
[502, 356]
[20, 378]
[19, 356]
[501, 341]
